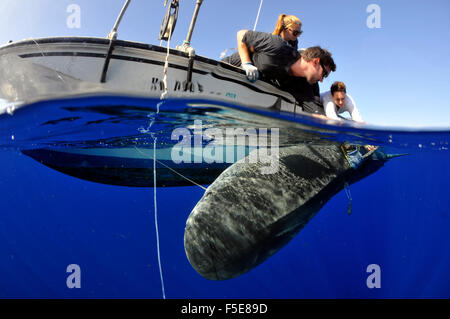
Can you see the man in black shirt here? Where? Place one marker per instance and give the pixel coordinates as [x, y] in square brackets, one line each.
[313, 66]
[281, 64]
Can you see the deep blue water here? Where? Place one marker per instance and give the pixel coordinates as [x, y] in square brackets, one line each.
[49, 220]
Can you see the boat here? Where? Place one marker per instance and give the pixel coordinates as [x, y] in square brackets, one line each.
[133, 68]
[52, 68]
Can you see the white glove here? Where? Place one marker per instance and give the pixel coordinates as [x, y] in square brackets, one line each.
[251, 71]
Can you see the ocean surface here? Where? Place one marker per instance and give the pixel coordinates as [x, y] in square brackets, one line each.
[78, 217]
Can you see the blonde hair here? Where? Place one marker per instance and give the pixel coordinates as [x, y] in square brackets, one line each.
[285, 22]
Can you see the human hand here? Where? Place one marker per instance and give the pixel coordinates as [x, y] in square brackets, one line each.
[370, 147]
[251, 71]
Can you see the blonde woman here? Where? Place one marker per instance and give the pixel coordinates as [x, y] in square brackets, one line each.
[272, 53]
[289, 27]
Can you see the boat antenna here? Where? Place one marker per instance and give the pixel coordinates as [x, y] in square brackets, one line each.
[257, 16]
[223, 54]
[112, 36]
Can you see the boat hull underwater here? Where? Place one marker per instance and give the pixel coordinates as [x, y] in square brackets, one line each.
[130, 166]
[59, 66]
[245, 216]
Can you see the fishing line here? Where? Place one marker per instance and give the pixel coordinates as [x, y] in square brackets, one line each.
[257, 17]
[155, 202]
[156, 219]
[349, 196]
[223, 54]
[42, 53]
[170, 168]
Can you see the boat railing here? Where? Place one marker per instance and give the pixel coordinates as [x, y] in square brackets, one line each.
[112, 36]
[166, 31]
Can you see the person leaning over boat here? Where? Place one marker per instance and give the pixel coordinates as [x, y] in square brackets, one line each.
[289, 28]
[261, 53]
[313, 66]
[337, 101]
[281, 64]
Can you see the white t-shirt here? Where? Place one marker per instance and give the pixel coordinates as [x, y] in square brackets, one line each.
[332, 110]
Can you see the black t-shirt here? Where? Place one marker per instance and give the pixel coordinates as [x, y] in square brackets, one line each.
[307, 95]
[273, 56]
[233, 59]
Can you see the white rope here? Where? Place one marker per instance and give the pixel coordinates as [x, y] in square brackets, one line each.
[156, 219]
[257, 17]
[162, 97]
[166, 65]
[163, 94]
[168, 167]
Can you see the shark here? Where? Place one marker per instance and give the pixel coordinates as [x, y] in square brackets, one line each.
[245, 217]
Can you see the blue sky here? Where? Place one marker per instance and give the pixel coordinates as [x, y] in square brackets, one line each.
[397, 74]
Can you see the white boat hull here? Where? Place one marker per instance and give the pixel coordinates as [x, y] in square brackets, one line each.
[137, 68]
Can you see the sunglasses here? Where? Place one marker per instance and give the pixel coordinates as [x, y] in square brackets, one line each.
[296, 33]
[324, 71]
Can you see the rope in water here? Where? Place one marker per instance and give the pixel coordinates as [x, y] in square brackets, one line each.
[156, 220]
[349, 196]
[171, 169]
[163, 94]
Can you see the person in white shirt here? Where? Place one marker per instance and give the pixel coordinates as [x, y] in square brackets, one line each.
[337, 101]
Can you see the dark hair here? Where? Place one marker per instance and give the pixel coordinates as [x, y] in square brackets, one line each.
[323, 54]
[338, 87]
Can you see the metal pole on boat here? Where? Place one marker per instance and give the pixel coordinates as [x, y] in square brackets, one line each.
[187, 42]
[112, 36]
[186, 47]
[113, 33]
